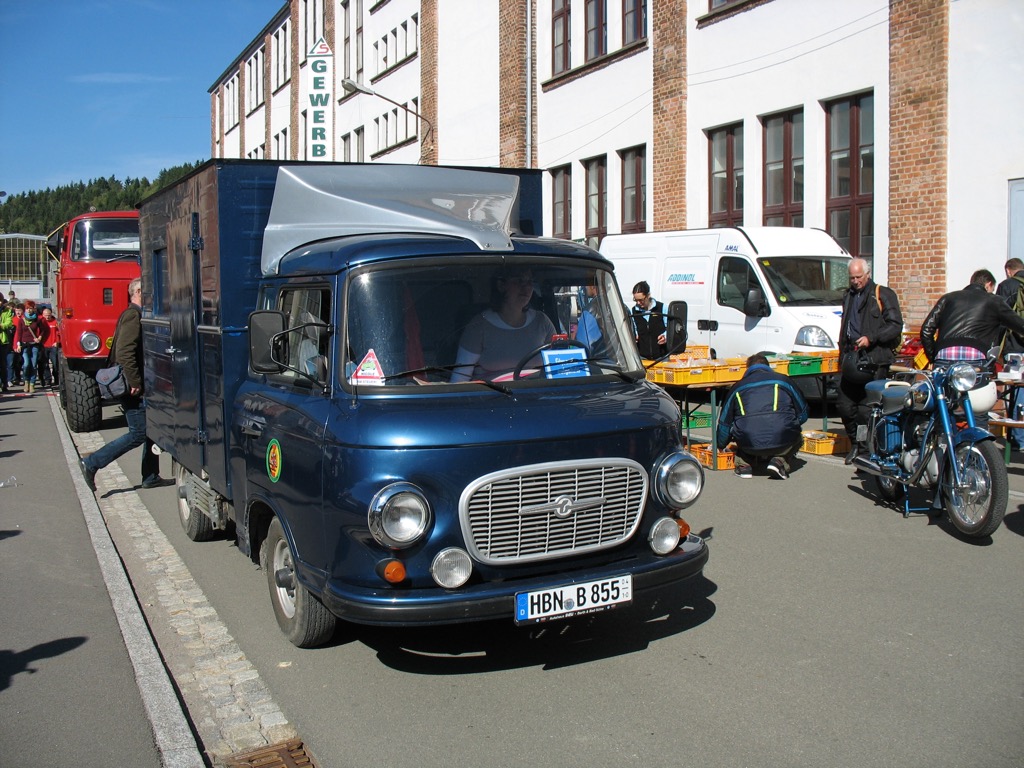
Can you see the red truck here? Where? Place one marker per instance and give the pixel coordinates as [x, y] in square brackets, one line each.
[97, 255]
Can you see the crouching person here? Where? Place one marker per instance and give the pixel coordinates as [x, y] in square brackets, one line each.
[762, 415]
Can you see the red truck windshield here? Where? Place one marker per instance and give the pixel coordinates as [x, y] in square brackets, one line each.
[106, 240]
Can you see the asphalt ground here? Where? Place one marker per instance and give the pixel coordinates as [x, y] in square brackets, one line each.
[84, 681]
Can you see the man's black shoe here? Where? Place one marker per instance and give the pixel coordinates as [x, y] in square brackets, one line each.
[88, 474]
[853, 454]
[156, 482]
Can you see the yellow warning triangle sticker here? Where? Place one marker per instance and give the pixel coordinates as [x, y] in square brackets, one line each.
[368, 371]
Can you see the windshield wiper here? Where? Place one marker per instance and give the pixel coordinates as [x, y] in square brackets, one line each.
[448, 369]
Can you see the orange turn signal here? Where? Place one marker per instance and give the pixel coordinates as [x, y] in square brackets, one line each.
[684, 528]
[393, 571]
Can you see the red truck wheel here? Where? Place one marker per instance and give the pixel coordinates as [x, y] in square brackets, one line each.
[82, 402]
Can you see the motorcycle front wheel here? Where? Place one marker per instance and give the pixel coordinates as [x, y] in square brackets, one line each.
[977, 506]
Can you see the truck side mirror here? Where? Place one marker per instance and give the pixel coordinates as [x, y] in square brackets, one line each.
[54, 243]
[754, 304]
[675, 327]
[265, 329]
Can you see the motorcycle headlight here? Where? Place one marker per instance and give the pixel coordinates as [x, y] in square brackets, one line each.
[399, 516]
[678, 480]
[962, 377]
[813, 336]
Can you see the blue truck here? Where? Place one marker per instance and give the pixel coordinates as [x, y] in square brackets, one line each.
[330, 367]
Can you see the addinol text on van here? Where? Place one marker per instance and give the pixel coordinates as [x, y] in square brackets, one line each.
[746, 289]
[308, 371]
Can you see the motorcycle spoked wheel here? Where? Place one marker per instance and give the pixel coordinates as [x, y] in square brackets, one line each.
[977, 508]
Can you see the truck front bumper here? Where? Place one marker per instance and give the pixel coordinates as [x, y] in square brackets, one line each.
[496, 600]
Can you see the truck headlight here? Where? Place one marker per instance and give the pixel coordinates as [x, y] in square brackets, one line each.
[451, 568]
[814, 336]
[90, 342]
[678, 480]
[664, 536]
[399, 515]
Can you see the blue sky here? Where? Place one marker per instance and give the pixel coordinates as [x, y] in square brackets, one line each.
[99, 88]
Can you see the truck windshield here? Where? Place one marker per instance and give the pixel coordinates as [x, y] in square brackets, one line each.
[451, 324]
[106, 240]
[806, 280]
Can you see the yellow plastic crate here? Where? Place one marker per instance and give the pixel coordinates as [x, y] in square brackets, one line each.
[729, 372]
[825, 443]
[726, 459]
[779, 366]
[684, 376]
[921, 360]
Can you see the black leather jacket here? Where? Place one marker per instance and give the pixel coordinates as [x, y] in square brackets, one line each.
[971, 317]
[883, 325]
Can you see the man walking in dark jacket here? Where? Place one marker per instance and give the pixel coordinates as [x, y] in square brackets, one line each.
[872, 324]
[127, 351]
[762, 415]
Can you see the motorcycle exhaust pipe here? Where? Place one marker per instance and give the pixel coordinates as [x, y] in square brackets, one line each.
[869, 466]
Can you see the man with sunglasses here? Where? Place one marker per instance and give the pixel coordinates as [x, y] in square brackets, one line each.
[872, 325]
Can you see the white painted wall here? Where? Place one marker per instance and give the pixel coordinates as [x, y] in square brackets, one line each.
[468, 107]
[986, 136]
[737, 72]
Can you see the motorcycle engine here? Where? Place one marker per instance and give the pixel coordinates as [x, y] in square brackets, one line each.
[910, 459]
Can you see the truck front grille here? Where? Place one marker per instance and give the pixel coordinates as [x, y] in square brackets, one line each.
[552, 510]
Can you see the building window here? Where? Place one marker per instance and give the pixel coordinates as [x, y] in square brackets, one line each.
[634, 20]
[254, 93]
[597, 200]
[360, 154]
[359, 41]
[634, 195]
[561, 202]
[851, 173]
[597, 28]
[725, 155]
[281, 146]
[784, 170]
[312, 24]
[714, 5]
[346, 39]
[231, 103]
[560, 51]
[281, 57]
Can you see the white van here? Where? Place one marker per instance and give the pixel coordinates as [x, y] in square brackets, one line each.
[746, 289]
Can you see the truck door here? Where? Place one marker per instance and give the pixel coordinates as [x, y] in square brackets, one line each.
[283, 424]
[734, 333]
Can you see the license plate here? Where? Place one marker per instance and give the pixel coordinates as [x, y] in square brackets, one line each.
[573, 599]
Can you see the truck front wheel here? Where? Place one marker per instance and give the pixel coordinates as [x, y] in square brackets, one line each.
[303, 619]
[83, 408]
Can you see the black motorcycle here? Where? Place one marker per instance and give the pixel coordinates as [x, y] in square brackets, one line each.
[922, 434]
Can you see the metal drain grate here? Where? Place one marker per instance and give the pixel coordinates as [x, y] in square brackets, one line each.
[288, 754]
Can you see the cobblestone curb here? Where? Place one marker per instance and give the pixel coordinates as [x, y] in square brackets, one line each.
[230, 706]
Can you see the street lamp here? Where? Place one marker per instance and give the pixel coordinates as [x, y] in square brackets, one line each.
[351, 86]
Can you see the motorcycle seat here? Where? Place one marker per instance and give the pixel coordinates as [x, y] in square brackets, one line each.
[888, 394]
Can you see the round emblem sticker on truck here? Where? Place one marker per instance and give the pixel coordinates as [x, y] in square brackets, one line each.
[274, 461]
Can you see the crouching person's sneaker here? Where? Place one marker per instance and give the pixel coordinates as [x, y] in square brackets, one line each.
[777, 468]
[744, 470]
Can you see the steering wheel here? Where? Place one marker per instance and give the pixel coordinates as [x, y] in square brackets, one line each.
[560, 344]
